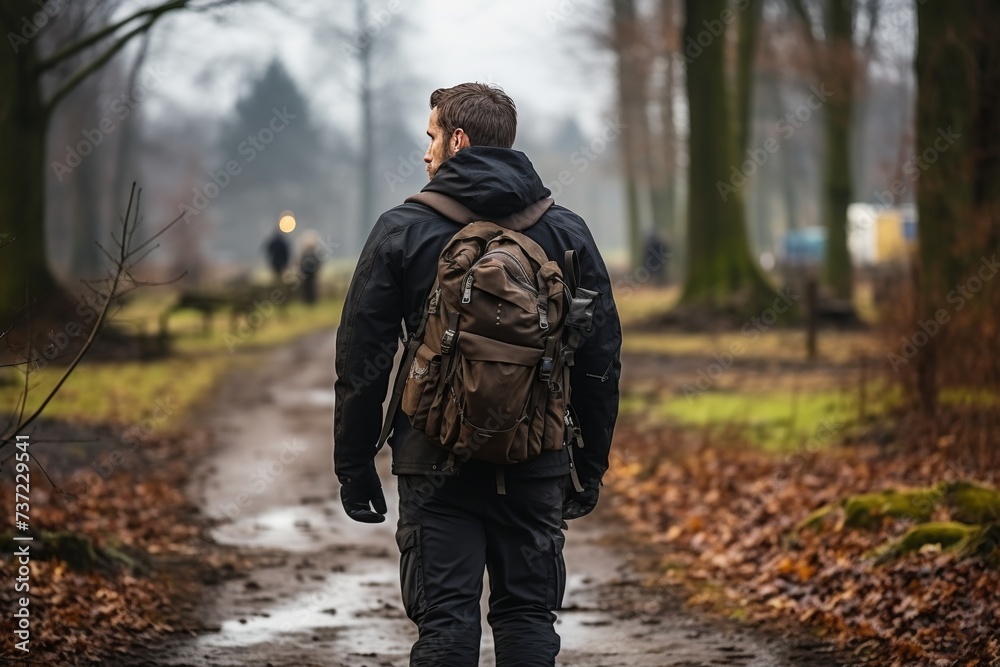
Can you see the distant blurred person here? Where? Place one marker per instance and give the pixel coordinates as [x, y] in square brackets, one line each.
[278, 254]
[310, 260]
[657, 252]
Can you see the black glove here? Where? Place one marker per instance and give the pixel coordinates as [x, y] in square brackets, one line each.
[357, 492]
[580, 503]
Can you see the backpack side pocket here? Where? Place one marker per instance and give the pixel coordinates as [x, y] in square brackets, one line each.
[421, 386]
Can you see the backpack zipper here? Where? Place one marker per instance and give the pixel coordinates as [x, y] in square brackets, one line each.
[467, 294]
[520, 283]
[470, 277]
[524, 272]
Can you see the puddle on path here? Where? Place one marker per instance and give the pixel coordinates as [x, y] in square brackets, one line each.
[299, 528]
[312, 398]
[331, 596]
[344, 601]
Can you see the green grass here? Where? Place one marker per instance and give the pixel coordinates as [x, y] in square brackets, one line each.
[281, 326]
[123, 392]
[637, 305]
[772, 345]
[165, 389]
[969, 397]
[268, 326]
[774, 421]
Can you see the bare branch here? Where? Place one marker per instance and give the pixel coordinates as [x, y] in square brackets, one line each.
[873, 18]
[77, 77]
[75, 48]
[799, 7]
[156, 235]
[22, 424]
[7, 242]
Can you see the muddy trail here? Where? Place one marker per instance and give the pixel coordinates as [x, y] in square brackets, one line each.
[319, 589]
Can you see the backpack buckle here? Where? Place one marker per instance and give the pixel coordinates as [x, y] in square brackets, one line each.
[447, 340]
[545, 369]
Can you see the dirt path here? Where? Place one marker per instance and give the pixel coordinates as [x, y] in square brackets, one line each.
[323, 590]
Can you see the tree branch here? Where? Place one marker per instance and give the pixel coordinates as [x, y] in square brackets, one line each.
[77, 77]
[799, 8]
[75, 48]
[873, 19]
[22, 424]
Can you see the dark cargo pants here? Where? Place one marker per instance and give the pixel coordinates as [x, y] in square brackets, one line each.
[452, 528]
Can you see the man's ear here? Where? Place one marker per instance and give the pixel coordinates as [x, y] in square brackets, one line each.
[459, 140]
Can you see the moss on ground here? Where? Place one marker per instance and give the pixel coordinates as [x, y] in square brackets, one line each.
[948, 535]
[869, 509]
[972, 503]
[78, 551]
[966, 502]
[973, 528]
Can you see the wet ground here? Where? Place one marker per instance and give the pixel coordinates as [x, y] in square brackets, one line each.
[323, 590]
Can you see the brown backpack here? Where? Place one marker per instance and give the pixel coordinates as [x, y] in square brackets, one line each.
[486, 373]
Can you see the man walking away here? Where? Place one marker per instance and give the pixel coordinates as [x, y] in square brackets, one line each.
[459, 516]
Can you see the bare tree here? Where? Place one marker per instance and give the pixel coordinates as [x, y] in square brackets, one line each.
[119, 281]
[32, 87]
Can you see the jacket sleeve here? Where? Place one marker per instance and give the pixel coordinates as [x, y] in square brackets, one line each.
[595, 375]
[367, 340]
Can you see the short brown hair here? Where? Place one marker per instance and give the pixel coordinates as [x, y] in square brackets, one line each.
[486, 113]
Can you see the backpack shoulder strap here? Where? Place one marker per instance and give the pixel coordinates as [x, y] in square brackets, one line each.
[460, 213]
[446, 206]
[571, 271]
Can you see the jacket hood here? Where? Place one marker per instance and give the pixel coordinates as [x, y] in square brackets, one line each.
[494, 182]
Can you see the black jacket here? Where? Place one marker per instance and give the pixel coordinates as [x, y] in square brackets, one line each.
[393, 277]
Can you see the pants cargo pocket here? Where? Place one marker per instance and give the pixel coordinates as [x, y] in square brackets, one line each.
[411, 570]
[557, 574]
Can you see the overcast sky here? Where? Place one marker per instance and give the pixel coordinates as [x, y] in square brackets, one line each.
[536, 49]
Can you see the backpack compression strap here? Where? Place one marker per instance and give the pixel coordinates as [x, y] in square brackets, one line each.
[578, 321]
[412, 343]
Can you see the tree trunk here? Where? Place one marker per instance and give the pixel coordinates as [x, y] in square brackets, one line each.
[23, 125]
[666, 182]
[668, 222]
[367, 127]
[958, 121]
[747, 51]
[840, 71]
[720, 270]
[85, 257]
[631, 72]
[668, 145]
